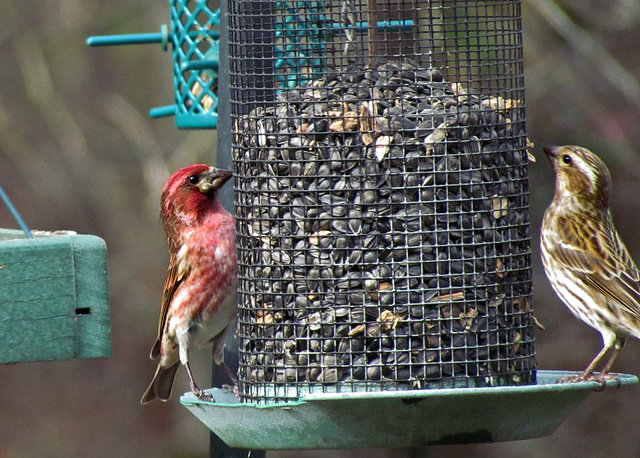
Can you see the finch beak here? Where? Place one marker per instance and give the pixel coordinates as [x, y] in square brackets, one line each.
[552, 152]
[213, 180]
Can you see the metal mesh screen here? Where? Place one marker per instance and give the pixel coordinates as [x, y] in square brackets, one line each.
[381, 194]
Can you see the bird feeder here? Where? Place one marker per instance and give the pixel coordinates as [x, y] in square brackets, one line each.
[382, 197]
[54, 298]
[194, 39]
[384, 250]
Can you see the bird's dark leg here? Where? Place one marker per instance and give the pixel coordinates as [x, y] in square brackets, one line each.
[197, 391]
[232, 377]
[230, 374]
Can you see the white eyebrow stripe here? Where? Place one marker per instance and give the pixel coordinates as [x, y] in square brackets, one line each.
[587, 170]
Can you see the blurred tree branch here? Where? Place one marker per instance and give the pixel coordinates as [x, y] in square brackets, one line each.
[590, 48]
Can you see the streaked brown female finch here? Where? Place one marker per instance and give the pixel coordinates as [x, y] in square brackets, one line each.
[199, 302]
[587, 264]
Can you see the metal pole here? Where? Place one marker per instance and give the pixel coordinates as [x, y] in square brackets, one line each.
[218, 449]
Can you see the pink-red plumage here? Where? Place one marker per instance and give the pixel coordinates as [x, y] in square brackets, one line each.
[199, 302]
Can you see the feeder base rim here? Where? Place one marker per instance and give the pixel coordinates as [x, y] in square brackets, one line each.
[397, 419]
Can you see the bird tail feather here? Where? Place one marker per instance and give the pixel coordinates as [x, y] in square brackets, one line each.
[161, 385]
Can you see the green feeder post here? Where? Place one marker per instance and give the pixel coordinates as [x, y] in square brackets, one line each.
[219, 448]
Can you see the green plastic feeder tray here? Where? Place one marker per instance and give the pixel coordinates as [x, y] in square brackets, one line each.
[399, 418]
[54, 298]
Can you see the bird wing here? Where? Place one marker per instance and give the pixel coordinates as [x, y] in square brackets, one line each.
[601, 261]
[179, 268]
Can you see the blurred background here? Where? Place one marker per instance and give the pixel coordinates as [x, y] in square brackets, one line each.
[78, 151]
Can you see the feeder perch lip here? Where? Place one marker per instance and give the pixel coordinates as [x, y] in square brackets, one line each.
[15, 234]
[397, 418]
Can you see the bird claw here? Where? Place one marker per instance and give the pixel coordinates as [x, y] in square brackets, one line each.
[206, 397]
[601, 379]
[233, 388]
[572, 379]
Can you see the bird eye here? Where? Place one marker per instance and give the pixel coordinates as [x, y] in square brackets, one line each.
[193, 179]
[566, 159]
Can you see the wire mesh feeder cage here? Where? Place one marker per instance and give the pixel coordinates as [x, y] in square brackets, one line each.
[382, 199]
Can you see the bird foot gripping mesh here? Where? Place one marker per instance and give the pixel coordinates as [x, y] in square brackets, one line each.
[381, 196]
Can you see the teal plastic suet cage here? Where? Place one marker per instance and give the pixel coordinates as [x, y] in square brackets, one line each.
[194, 39]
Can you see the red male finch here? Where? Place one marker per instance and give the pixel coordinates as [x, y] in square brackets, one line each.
[199, 302]
[587, 264]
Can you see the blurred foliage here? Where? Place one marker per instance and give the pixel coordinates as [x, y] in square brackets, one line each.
[78, 151]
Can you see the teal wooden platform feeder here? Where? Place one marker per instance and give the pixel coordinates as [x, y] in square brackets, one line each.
[194, 39]
[54, 297]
